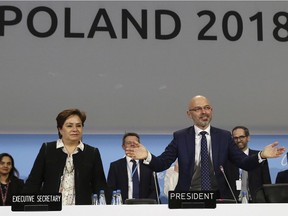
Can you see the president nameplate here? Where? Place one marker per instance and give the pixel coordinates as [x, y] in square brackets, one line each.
[191, 199]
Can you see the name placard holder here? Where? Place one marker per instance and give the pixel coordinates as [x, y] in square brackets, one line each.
[39, 202]
[36, 207]
[191, 199]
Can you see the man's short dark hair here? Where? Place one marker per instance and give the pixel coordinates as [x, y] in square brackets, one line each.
[246, 131]
[130, 134]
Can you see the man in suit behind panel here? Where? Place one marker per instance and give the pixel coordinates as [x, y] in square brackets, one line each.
[282, 176]
[120, 175]
[256, 177]
[186, 146]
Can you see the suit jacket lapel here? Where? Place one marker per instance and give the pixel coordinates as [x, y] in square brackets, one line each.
[215, 145]
[142, 170]
[190, 146]
[142, 174]
[123, 169]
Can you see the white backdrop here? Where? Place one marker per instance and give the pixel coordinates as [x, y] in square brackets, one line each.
[144, 84]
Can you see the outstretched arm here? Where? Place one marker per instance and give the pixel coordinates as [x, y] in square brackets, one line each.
[271, 151]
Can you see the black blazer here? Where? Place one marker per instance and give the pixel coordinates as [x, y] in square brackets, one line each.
[183, 147]
[15, 187]
[45, 176]
[256, 177]
[282, 177]
[118, 179]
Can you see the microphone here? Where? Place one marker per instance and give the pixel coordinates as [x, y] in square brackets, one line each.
[222, 170]
[156, 187]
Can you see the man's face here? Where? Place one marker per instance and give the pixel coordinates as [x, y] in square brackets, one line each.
[129, 142]
[200, 111]
[240, 139]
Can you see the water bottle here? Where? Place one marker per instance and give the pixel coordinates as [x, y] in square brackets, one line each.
[244, 199]
[102, 199]
[94, 199]
[119, 198]
[113, 200]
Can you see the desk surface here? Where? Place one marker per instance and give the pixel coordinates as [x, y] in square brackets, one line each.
[154, 210]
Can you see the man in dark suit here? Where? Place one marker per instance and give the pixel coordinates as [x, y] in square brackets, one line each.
[282, 177]
[187, 144]
[121, 173]
[256, 177]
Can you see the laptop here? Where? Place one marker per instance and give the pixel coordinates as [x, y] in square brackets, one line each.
[276, 193]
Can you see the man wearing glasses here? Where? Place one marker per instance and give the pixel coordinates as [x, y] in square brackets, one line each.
[254, 178]
[202, 141]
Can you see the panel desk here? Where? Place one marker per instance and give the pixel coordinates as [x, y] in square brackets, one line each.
[262, 209]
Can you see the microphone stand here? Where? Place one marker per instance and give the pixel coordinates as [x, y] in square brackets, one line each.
[222, 170]
[156, 187]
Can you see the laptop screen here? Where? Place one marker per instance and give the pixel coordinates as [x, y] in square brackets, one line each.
[276, 193]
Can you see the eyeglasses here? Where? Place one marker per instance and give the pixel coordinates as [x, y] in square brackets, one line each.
[199, 109]
[128, 143]
[239, 138]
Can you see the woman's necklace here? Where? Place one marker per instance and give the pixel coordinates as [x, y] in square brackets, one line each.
[4, 191]
[69, 167]
[70, 152]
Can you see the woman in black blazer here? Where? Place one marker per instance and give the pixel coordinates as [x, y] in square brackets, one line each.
[10, 183]
[67, 165]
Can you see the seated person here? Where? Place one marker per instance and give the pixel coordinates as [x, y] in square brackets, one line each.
[9, 180]
[282, 177]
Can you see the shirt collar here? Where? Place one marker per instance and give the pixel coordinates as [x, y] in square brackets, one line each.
[60, 144]
[246, 151]
[128, 159]
[198, 130]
